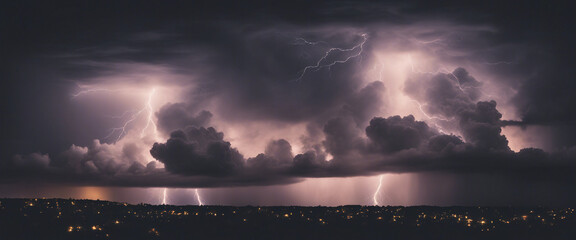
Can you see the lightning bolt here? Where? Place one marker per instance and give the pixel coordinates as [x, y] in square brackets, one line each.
[438, 40]
[150, 116]
[322, 62]
[377, 192]
[147, 111]
[302, 41]
[442, 69]
[135, 114]
[428, 116]
[97, 90]
[198, 199]
[130, 116]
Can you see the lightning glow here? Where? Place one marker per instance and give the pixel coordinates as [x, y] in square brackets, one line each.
[377, 192]
[321, 62]
[146, 112]
[428, 116]
[302, 41]
[133, 115]
[150, 119]
[198, 199]
[499, 63]
[97, 90]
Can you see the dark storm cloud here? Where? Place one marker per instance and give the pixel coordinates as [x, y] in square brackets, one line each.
[268, 74]
[340, 132]
[99, 159]
[395, 133]
[198, 151]
[248, 61]
[309, 164]
[531, 165]
[393, 144]
[420, 151]
[481, 127]
[453, 97]
[469, 85]
[32, 161]
[99, 165]
[440, 143]
[280, 149]
[277, 156]
[178, 116]
[443, 94]
[365, 102]
[342, 136]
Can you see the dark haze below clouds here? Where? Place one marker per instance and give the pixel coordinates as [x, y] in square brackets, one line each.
[241, 62]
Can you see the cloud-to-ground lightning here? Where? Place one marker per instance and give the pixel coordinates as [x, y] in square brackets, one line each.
[198, 198]
[164, 196]
[130, 116]
[322, 62]
[377, 192]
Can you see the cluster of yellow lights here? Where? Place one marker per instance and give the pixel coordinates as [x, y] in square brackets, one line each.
[155, 232]
[467, 219]
[74, 228]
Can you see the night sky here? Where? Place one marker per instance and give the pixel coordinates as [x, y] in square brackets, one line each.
[292, 103]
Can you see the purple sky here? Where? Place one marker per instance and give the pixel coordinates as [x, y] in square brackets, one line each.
[391, 103]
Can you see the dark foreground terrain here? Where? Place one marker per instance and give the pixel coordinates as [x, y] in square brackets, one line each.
[89, 219]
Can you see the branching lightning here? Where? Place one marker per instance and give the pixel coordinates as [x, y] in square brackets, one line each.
[302, 41]
[133, 115]
[441, 70]
[434, 119]
[428, 116]
[147, 112]
[130, 116]
[322, 62]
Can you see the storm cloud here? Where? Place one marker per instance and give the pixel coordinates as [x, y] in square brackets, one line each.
[212, 96]
[197, 151]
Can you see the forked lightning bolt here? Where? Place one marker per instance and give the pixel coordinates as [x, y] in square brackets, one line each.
[131, 115]
[149, 119]
[322, 62]
[302, 41]
[146, 111]
[428, 116]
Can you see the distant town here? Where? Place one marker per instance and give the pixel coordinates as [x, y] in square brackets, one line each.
[94, 219]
